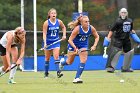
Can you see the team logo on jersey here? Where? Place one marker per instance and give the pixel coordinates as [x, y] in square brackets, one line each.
[53, 28]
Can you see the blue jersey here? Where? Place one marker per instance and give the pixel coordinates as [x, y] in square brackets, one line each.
[53, 30]
[81, 40]
[52, 35]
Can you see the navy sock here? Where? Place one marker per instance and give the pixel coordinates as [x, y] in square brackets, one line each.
[80, 70]
[57, 65]
[46, 66]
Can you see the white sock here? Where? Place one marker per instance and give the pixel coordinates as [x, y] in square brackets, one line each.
[20, 66]
[1, 69]
[13, 71]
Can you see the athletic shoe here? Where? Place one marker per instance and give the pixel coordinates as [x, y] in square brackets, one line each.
[127, 70]
[11, 81]
[46, 75]
[60, 64]
[59, 74]
[110, 70]
[77, 80]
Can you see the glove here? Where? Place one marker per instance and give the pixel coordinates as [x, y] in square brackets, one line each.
[105, 54]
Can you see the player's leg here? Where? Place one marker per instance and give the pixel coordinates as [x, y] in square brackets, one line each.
[5, 64]
[57, 61]
[47, 61]
[68, 60]
[83, 59]
[128, 55]
[4, 60]
[14, 53]
[112, 60]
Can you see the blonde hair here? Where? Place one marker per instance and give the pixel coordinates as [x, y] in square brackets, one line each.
[52, 9]
[17, 39]
[75, 23]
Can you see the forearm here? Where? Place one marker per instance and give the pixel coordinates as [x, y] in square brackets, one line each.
[64, 31]
[96, 41]
[72, 44]
[109, 35]
[44, 38]
[21, 55]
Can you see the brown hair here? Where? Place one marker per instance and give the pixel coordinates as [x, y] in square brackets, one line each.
[52, 9]
[75, 23]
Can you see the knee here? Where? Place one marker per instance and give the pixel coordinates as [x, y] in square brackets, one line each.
[47, 59]
[4, 68]
[56, 57]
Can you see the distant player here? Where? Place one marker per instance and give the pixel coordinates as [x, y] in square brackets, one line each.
[78, 40]
[8, 46]
[51, 34]
[122, 29]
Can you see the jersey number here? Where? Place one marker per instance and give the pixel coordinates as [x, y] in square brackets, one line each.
[83, 38]
[53, 33]
[126, 28]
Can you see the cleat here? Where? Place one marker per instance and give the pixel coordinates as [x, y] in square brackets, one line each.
[110, 70]
[77, 80]
[59, 74]
[11, 81]
[46, 75]
[60, 64]
[127, 70]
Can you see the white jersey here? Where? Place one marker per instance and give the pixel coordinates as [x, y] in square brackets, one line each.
[3, 40]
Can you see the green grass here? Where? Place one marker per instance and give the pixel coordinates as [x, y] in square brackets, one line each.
[94, 82]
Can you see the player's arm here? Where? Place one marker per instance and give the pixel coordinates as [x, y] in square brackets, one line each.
[135, 37]
[45, 28]
[22, 51]
[96, 36]
[63, 29]
[72, 36]
[107, 39]
[8, 47]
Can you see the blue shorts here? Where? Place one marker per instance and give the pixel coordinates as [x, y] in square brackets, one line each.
[70, 48]
[57, 45]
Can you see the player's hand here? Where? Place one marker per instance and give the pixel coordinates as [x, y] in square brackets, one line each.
[76, 50]
[8, 69]
[19, 61]
[45, 46]
[138, 46]
[93, 48]
[64, 37]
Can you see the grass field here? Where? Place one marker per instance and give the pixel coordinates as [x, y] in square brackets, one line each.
[94, 82]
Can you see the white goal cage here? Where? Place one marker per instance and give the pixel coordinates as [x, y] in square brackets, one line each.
[35, 33]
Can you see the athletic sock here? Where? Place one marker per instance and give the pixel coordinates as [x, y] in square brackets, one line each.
[46, 66]
[57, 65]
[13, 71]
[80, 70]
[1, 69]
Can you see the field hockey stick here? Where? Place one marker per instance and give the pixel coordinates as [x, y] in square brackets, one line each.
[74, 53]
[38, 50]
[7, 71]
